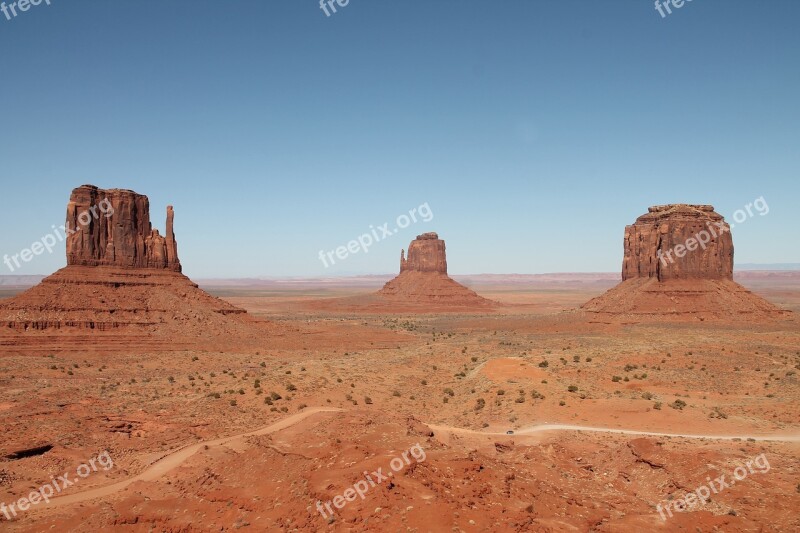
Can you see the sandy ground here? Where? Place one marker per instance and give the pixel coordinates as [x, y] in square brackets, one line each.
[253, 435]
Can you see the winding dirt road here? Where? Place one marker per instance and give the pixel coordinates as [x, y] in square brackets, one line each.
[566, 427]
[178, 457]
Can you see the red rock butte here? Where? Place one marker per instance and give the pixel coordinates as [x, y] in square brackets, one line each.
[678, 262]
[121, 276]
[112, 228]
[423, 277]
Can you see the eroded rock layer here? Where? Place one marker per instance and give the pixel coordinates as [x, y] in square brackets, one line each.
[426, 253]
[678, 241]
[112, 228]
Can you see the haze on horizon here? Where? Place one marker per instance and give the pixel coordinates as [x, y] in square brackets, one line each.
[533, 131]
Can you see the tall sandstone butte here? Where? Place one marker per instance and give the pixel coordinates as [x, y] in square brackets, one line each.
[678, 263]
[112, 228]
[425, 254]
[652, 244]
[121, 273]
[423, 278]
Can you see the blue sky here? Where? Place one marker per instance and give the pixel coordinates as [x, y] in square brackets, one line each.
[534, 130]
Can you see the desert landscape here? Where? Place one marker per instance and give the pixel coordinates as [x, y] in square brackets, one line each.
[544, 404]
[593, 325]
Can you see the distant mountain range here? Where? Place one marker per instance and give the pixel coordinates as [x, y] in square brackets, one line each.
[773, 266]
[745, 270]
[20, 281]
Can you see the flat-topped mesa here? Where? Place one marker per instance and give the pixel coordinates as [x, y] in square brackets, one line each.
[678, 241]
[678, 265]
[112, 228]
[426, 253]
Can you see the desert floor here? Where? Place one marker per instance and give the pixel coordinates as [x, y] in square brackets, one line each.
[252, 434]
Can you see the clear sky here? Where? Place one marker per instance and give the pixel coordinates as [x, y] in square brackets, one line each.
[534, 130]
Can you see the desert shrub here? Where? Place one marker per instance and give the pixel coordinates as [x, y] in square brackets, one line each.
[678, 404]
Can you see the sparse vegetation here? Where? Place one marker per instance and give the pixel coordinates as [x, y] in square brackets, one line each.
[678, 404]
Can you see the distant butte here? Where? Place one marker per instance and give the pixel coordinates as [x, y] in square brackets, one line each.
[678, 262]
[651, 244]
[423, 277]
[425, 254]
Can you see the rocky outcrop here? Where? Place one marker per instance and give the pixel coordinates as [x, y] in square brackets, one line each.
[112, 228]
[426, 253]
[121, 274]
[423, 278]
[678, 241]
[678, 263]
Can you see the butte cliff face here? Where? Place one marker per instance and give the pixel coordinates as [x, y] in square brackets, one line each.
[678, 263]
[121, 275]
[423, 278]
[678, 241]
[426, 253]
[112, 228]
